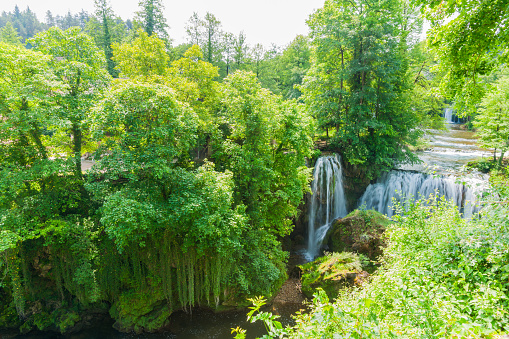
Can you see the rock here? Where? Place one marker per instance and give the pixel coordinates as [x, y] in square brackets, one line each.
[146, 311]
[331, 273]
[360, 231]
[355, 182]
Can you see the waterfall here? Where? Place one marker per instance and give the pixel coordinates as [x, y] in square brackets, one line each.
[327, 201]
[404, 184]
[448, 116]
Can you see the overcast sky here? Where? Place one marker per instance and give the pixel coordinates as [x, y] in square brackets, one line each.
[263, 21]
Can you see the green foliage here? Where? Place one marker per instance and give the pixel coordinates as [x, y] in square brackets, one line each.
[442, 276]
[265, 147]
[358, 82]
[9, 35]
[151, 17]
[286, 71]
[193, 80]
[144, 57]
[146, 219]
[470, 41]
[24, 23]
[79, 66]
[428, 104]
[331, 273]
[492, 122]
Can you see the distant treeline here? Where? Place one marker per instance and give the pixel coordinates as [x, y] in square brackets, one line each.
[278, 69]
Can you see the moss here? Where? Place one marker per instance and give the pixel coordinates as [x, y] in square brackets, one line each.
[141, 311]
[8, 315]
[360, 231]
[42, 321]
[26, 327]
[67, 321]
[331, 273]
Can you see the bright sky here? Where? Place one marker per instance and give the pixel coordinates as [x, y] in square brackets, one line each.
[263, 21]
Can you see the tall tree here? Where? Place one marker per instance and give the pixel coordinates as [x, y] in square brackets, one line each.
[152, 19]
[9, 35]
[358, 83]
[207, 34]
[194, 30]
[105, 15]
[212, 46]
[79, 65]
[241, 50]
[228, 51]
[50, 20]
[492, 123]
[257, 55]
[296, 60]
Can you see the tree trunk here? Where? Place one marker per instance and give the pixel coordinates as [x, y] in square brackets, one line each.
[77, 137]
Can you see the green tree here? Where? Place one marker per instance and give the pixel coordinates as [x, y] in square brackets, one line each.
[470, 41]
[492, 122]
[9, 35]
[79, 65]
[294, 63]
[39, 197]
[358, 83]
[228, 51]
[103, 30]
[193, 80]
[265, 142]
[145, 56]
[427, 103]
[240, 51]
[207, 34]
[50, 20]
[153, 203]
[152, 19]
[26, 81]
[212, 46]
[194, 28]
[257, 56]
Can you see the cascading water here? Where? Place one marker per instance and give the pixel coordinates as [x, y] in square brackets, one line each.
[448, 115]
[327, 201]
[403, 184]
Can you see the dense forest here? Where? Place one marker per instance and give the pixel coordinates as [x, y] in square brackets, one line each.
[140, 178]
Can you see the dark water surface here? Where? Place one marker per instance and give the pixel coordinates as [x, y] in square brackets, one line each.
[200, 324]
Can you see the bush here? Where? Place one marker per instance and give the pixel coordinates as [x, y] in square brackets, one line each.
[441, 277]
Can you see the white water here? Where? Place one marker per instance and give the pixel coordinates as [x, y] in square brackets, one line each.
[448, 116]
[400, 185]
[327, 201]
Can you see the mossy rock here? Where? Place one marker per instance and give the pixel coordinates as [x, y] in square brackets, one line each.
[67, 321]
[141, 311]
[361, 231]
[8, 316]
[26, 327]
[42, 321]
[331, 273]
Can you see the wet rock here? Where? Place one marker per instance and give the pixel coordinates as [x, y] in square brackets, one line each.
[138, 312]
[361, 231]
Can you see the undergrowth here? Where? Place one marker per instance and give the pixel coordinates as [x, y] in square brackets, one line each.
[441, 277]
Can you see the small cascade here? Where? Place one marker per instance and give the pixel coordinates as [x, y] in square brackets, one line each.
[448, 116]
[400, 185]
[327, 201]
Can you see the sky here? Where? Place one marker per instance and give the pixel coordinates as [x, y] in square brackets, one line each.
[263, 21]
